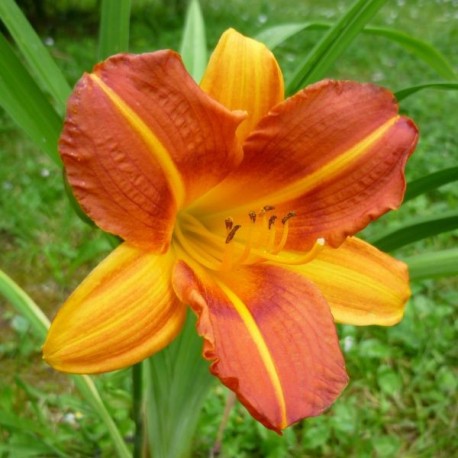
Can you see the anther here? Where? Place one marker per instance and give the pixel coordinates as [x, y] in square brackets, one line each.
[265, 209]
[288, 216]
[252, 216]
[232, 232]
[229, 222]
[272, 220]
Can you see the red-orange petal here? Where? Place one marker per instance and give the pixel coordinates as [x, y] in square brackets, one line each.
[138, 132]
[334, 153]
[123, 312]
[243, 75]
[271, 338]
[362, 285]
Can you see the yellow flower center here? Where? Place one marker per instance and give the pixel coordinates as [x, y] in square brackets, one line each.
[261, 237]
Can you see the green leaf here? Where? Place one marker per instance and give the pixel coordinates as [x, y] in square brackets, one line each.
[48, 74]
[25, 102]
[193, 47]
[114, 27]
[178, 381]
[417, 230]
[276, 35]
[334, 43]
[24, 305]
[433, 265]
[40, 324]
[442, 85]
[421, 49]
[430, 182]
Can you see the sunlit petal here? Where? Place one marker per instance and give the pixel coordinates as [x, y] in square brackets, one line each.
[123, 312]
[362, 285]
[243, 75]
[334, 153]
[271, 338]
[133, 144]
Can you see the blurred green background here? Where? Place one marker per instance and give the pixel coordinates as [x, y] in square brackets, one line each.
[402, 399]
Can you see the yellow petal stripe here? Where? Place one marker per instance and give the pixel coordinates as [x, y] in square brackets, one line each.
[326, 172]
[362, 285]
[264, 352]
[157, 149]
[124, 311]
[243, 75]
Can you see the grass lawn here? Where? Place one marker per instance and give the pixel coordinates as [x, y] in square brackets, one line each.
[402, 398]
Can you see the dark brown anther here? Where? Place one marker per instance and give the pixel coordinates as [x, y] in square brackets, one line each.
[288, 216]
[272, 220]
[252, 216]
[265, 209]
[229, 222]
[232, 232]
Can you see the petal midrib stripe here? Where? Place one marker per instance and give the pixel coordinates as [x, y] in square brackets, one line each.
[157, 149]
[325, 173]
[262, 347]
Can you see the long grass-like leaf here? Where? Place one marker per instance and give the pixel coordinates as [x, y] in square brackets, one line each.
[114, 27]
[49, 77]
[276, 35]
[178, 381]
[24, 305]
[193, 47]
[430, 182]
[433, 265]
[417, 230]
[17, 297]
[25, 102]
[334, 43]
[442, 85]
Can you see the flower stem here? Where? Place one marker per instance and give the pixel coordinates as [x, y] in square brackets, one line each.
[137, 415]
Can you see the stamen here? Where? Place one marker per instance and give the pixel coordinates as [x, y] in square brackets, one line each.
[272, 220]
[287, 217]
[265, 209]
[296, 260]
[284, 235]
[229, 222]
[232, 232]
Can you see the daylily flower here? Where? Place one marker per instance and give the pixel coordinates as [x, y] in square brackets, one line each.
[240, 204]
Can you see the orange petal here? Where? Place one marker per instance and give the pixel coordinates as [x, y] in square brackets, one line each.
[243, 75]
[335, 154]
[123, 312]
[271, 339]
[362, 285]
[137, 133]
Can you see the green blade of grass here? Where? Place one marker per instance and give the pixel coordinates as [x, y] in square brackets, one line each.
[49, 76]
[193, 47]
[24, 305]
[114, 27]
[276, 35]
[17, 297]
[25, 102]
[416, 230]
[433, 265]
[442, 85]
[334, 43]
[430, 182]
[178, 381]
[421, 49]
